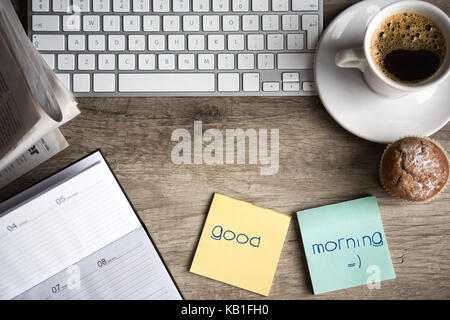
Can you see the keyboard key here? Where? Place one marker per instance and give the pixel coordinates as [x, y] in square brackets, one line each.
[131, 23]
[146, 62]
[96, 42]
[167, 82]
[309, 86]
[49, 42]
[61, 5]
[291, 77]
[81, 82]
[196, 42]
[246, 61]
[235, 42]
[180, 5]
[295, 41]
[71, 23]
[176, 42]
[250, 81]
[310, 23]
[171, 23]
[116, 42]
[91, 23]
[104, 82]
[121, 5]
[45, 23]
[86, 62]
[111, 23]
[65, 79]
[290, 22]
[200, 5]
[305, 5]
[271, 86]
[191, 23]
[230, 23]
[240, 5]
[141, 5]
[156, 42]
[216, 42]
[186, 61]
[228, 82]
[295, 61]
[250, 23]
[255, 42]
[211, 23]
[106, 62]
[160, 5]
[101, 6]
[280, 5]
[136, 42]
[275, 42]
[225, 61]
[127, 62]
[166, 62]
[260, 5]
[221, 5]
[151, 23]
[81, 5]
[40, 5]
[76, 42]
[266, 61]
[205, 61]
[291, 86]
[50, 59]
[270, 22]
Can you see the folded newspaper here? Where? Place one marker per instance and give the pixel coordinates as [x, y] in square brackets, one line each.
[33, 102]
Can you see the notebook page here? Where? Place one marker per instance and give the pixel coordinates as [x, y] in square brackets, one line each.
[50, 182]
[125, 269]
[64, 227]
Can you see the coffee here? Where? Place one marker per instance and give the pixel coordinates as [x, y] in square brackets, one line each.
[408, 47]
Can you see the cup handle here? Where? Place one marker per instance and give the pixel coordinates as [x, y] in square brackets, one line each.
[351, 58]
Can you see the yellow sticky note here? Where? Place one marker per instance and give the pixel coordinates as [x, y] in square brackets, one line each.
[241, 244]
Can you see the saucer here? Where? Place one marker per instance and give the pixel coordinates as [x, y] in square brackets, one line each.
[358, 109]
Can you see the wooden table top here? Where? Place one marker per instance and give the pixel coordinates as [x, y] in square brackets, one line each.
[320, 163]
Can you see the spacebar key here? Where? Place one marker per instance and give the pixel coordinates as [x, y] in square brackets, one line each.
[166, 82]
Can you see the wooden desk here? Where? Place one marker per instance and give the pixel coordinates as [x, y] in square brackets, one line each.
[320, 163]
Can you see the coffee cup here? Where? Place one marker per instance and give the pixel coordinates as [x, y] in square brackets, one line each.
[378, 76]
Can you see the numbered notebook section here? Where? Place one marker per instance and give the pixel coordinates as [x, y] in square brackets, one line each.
[81, 239]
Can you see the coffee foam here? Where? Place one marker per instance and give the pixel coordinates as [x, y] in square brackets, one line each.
[407, 31]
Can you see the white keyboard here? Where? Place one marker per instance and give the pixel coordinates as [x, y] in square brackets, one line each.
[179, 47]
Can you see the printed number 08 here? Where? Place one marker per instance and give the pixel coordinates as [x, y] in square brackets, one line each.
[60, 200]
[102, 263]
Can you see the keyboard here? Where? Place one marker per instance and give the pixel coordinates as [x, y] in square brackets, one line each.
[179, 47]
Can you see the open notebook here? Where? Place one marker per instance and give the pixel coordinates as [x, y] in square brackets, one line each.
[75, 235]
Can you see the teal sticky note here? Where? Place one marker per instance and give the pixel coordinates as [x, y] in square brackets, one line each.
[345, 245]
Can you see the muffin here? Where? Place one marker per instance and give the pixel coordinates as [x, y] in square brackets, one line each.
[414, 169]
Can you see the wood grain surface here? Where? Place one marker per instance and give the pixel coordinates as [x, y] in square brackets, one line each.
[320, 163]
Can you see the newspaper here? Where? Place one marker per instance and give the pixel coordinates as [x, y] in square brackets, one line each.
[44, 149]
[33, 101]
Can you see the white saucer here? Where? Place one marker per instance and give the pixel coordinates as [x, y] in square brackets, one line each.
[357, 108]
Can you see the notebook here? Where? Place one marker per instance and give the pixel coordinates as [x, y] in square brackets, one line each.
[75, 235]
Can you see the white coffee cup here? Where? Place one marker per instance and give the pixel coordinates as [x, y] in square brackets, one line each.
[361, 58]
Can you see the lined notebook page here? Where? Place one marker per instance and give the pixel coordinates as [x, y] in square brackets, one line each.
[125, 269]
[76, 241]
